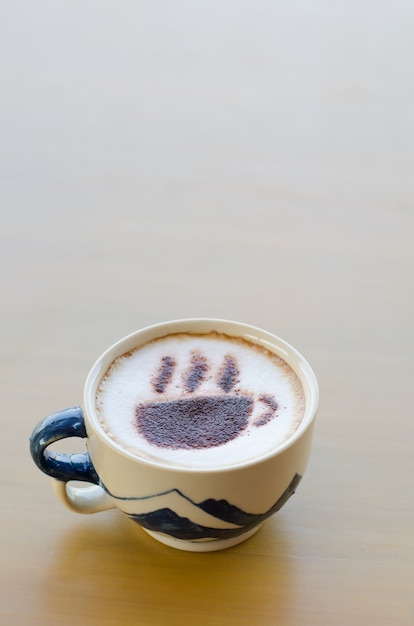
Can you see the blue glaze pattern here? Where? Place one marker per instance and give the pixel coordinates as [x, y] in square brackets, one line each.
[167, 521]
[67, 423]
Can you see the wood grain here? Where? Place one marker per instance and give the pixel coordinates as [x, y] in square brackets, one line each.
[251, 161]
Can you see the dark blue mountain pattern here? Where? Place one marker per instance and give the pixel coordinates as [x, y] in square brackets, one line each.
[168, 522]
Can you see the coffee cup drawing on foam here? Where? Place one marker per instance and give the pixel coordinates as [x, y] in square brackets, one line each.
[198, 430]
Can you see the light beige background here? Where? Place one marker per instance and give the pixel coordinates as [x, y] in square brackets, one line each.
[245, 160]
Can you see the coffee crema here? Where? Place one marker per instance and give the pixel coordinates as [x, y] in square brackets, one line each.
[200, 400]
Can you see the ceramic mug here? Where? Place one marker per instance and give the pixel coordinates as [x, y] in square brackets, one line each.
[187, 508]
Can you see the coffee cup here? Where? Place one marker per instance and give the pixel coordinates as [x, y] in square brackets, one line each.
[197, 429]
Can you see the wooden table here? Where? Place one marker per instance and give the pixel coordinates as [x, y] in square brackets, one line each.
[251, 161]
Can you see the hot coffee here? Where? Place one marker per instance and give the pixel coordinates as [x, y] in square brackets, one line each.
[200, 400]
[198, 430]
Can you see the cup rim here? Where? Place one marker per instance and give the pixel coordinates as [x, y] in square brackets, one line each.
[201, 325]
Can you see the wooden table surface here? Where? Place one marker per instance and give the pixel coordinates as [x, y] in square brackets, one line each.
[252, 161]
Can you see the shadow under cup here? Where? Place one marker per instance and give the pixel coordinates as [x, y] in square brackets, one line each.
[194, 509]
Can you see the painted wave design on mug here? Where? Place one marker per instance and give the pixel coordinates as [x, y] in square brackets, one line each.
[207, 520]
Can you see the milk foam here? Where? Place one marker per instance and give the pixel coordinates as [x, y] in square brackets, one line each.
[159, 372]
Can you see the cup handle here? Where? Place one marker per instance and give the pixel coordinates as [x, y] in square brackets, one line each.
[66, 467]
